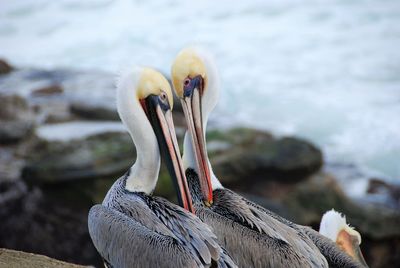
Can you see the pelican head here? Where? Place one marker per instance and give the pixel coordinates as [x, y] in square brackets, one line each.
[333, 225]
[195, 81]
[144, 102]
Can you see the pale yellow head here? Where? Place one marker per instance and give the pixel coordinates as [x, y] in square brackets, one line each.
[153, 82]
[188, 64]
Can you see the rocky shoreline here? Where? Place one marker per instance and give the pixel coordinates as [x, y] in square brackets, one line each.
[62, 146]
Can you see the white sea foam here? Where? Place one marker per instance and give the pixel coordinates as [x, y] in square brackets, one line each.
[328, 71]
[64, 132]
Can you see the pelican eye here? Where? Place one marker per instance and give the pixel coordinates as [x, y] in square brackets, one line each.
[163, 100]
[163, 96]
[186, 82]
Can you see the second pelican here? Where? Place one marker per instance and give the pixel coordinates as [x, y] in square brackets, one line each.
[255, 237]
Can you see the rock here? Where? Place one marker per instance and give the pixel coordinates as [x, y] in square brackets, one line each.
[11, 163]
[93, 112]
[92, 95]
[49, 221]
[12, 258]
[16, 119]
[5, 68]
[14, 107]
[389, 191]
[62, 95]
[14, 131]
[48, 90]
[83, 91]
[381, 253]
[257, 155]
[10, 192]
[79, 150]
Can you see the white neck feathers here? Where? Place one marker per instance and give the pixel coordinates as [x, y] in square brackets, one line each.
[144, 172]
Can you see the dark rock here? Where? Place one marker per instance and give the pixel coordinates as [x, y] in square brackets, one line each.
[91, 94]
[16, 119]
[11, 191]
[390, 191]
[14, 107]
[13, 258]
[93, 155]
[48, 90]
[5, 68]
[381, 253]
[44, 221]
[14, 131]
[93, 112]
[257, 155]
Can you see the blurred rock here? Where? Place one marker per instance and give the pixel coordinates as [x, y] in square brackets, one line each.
[13, 131]
[48, 90]
[13, 258]
[381, 187]
[70, 94]
[13, 107]
[5, 68]
[79, 150]
[11, 163]
[46, 221]
[381, 253]
[93, 111]
[10, 192]
[16, 119]
[82, 94]
[257, 155]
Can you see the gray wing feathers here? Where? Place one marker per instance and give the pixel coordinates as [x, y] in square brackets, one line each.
[334, 256]
[247, 247]
[190, 228]
[237, 205]
[269, 243]
[162, 219]
[299, 241]
[123, 242]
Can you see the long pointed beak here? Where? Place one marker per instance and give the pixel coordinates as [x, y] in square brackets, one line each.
[350, 244]
[165, 132]
[192, 108]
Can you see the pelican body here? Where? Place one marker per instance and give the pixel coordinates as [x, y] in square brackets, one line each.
[254, 236]
[132, 228]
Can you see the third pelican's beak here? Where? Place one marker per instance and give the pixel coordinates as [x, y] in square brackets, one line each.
[160, 116]
[191, 103]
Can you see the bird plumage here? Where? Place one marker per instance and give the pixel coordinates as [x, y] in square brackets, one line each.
[253, 238]
[253, 235]
[131, 228]
[139, 230]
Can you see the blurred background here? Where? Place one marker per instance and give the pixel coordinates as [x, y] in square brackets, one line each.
[308, 118]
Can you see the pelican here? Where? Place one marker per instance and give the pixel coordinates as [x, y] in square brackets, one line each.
[334, 226]
[132, 228]
[254, 236]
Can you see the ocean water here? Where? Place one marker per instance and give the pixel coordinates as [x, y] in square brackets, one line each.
[325, 70]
